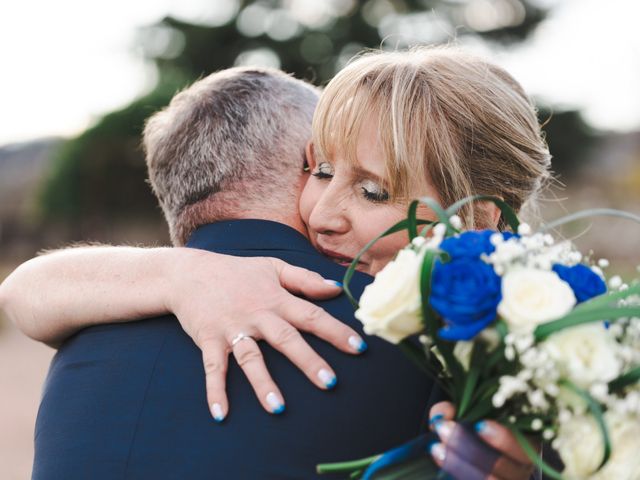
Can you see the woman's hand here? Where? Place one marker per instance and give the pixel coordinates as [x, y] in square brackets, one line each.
[219, 297]
[216, 298]
[464, 457]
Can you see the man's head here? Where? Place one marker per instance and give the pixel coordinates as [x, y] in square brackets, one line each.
[230, 146]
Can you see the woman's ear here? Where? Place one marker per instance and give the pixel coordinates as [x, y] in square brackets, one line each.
[310, 161]
[491, 212]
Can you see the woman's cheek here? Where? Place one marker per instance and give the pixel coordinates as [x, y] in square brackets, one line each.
[385, 249]
[307, 200]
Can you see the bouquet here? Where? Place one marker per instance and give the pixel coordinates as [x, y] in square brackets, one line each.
[518, 327]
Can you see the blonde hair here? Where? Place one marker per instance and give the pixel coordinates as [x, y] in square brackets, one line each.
[445, 117]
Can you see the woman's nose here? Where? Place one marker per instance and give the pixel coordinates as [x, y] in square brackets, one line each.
[330, 214]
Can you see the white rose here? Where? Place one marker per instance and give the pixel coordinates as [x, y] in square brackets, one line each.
[624, 463]
[579, 443]
[585, 354]
[462, 351]
[390, 307]
[531, 297]
[581, 448]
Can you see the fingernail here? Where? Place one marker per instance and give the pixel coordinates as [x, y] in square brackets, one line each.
[444, 430]
[357, 344]
[437, 451]
[328, 378]
[435, 419]
[276, 404]
[482, 428]
[216, 411]
[334, 283]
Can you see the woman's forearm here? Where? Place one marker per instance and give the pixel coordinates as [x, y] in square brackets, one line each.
[52, 296]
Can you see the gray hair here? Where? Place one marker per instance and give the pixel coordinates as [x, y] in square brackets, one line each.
[227, 143]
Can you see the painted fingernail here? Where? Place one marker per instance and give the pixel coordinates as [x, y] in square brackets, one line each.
[437, 451]
[216, 411]
[328, 378]
[435, 419]
[275, 403]
[358, 344]
[444, 429]
[482, 428]
[334, 283]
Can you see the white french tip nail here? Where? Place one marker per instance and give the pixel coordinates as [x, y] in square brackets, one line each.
[444, 430]
[357, 343]
[438, 451]
[327, 378]
[216, 411]
[275, 403]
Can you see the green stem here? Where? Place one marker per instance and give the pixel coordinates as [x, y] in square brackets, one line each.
[346, 466]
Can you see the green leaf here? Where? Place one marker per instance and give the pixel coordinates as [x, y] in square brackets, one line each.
[594, 212]
[481, 407]
[477, 353]
[432, 324]
[428, 315]
[533, 455]
[421, 468]
[401, 225]
[624, 380]
[412, 220]
[345, 467]
[417, 355]
[434, 205]
[577, 318]
[606, 299]
[508, 213]
[596, 410]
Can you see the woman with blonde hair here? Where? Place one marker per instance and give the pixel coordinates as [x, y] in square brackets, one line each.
[390, 127]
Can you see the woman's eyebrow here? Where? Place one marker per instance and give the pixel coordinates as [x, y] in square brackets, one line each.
[363, 172]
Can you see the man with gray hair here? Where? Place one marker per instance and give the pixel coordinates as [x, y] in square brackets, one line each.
[232, 142]
[127, 400]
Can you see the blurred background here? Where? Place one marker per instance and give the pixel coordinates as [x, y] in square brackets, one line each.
[80, 78]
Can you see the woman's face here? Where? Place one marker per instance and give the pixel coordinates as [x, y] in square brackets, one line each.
[344, 207]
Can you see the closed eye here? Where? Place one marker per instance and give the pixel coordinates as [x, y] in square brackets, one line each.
[324, 170]
[374, 192]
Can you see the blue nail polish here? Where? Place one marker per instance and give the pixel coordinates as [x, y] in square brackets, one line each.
[481, 427]
[335, 283]
[363, 347]
[218, 419]
[435, 419]
[331, 383]
[279, 410]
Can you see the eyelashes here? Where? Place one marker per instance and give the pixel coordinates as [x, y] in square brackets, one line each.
[373, 192]
[370, 190]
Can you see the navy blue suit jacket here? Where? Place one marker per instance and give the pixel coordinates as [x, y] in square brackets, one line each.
[128, 400]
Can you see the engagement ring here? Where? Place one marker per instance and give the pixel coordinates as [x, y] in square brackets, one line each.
[239, 337]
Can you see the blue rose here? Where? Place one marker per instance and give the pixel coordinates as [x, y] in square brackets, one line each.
[465, 292]
[471, 244]
[584, 282]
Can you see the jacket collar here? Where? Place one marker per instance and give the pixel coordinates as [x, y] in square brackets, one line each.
[249, 234]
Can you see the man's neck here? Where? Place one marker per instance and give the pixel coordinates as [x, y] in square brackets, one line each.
[293, 221]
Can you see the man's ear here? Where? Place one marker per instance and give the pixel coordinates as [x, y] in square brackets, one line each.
[310, 160]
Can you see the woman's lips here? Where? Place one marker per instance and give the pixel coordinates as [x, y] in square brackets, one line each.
[337, 257]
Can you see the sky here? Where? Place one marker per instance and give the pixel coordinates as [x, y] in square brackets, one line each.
[66, 62]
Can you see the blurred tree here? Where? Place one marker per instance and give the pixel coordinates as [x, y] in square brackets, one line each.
[99, 175]
[570, 140]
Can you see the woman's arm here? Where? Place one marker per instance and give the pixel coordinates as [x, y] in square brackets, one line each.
[214, 296]
[52, 296]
